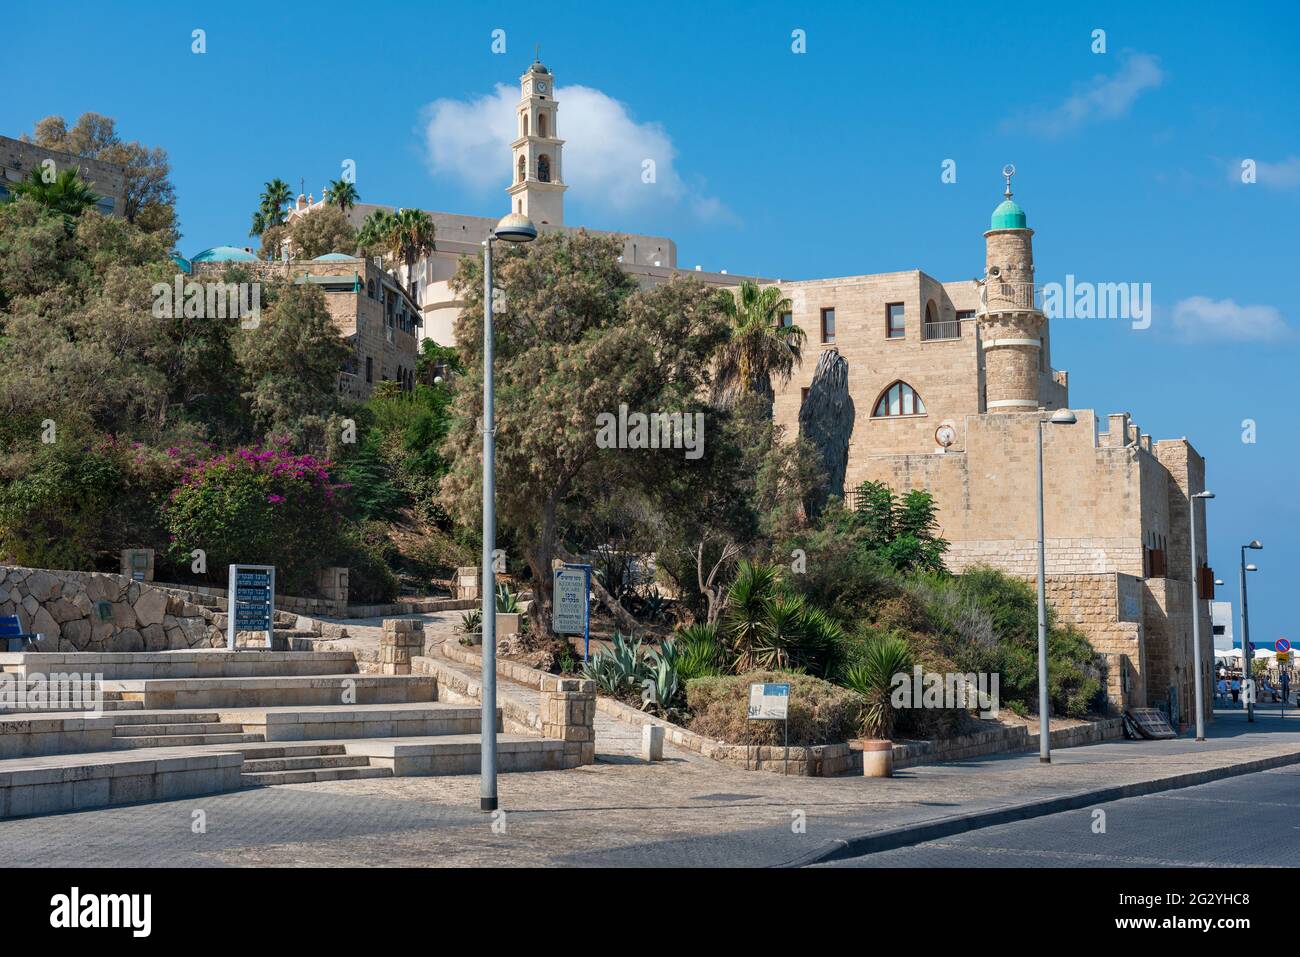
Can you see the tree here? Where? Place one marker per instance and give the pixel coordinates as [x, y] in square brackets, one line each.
[373, 237]
[323, 230]
[343, 194]
[291, 362]
[66, 194]
[410, 236]
[577, 340]
[271, 209]
[759, 347]
[149, 199]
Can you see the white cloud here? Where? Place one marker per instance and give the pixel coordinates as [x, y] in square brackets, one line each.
[1284, 174]
[1104, 97]
[1201, 318]
[604, 152]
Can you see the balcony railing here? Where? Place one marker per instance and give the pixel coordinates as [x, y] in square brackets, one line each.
[950, 329]
[997, 295]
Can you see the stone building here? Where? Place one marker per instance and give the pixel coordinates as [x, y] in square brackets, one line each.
[949, 383]
[371, 309]
[108, 180]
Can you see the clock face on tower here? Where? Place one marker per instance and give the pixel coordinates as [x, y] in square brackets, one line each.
[541, 86]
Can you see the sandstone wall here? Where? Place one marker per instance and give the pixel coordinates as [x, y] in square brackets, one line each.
[66, 608]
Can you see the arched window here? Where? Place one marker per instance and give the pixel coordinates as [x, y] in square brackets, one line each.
[525, 117]
[931, 315]
[544, 168]
[541, 125]
[899, 399]
[523, 168]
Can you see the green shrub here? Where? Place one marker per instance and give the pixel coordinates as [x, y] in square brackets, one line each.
[700, 652]
[820, 712]
[265, 507]
[883, 657]
[367, 553]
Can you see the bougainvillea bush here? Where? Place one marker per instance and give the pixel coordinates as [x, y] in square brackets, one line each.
[258, 505]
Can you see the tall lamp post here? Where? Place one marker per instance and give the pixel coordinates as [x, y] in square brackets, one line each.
[1060, 417]
[1196, 617]
[1247, 653]
[513, 228]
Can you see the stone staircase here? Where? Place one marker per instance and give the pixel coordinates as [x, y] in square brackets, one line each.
[199, 721]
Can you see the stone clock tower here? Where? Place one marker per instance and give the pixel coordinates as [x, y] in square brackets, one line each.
[537, 184]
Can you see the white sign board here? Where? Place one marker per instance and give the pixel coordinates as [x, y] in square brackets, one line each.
[769, 702]
[570, 606]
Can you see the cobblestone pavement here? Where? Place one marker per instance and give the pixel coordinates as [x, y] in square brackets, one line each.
[1247, 821]
[675, 813]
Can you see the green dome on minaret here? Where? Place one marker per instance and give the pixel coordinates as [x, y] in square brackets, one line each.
[1008, 215]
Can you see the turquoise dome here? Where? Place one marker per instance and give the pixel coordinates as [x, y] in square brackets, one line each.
[224, 254]
[1008, 216]
[182, 263]
[333, 258]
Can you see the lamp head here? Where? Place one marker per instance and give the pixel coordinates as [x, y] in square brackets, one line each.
[1255, 544]
[515, 228]
[1218, 582]
[1205, 494]
[1252, 568]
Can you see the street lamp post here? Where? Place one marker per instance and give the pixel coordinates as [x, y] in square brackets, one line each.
[1247, 653]
[1060, 417]
[1196, 616]
[514, 228]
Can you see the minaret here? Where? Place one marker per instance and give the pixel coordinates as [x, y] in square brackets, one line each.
[537, 182]
[1011, 327]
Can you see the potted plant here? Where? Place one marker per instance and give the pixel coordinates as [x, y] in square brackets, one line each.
[507, 610]
[872, 677]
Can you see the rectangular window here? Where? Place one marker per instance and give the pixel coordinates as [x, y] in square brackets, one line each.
[786, 320]
[370, 369]
[828, 325]
[894, 313]
[803, 396]
[965, 314]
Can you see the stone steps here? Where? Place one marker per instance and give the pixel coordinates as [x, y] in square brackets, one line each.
[312, 775]
[181, 740]
[184, 727]
[305, 762]
[263, 691]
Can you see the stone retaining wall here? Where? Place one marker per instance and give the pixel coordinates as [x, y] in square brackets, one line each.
[94, 611]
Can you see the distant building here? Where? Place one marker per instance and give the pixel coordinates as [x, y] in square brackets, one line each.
[108, 180]
[1221, 623]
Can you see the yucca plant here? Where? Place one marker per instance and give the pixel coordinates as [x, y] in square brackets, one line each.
[700, 653]
[872, 677]
[747, 611]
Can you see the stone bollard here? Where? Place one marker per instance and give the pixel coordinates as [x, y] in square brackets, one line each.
[402, 639]
[569, 715]
[878, 759]
[652, 742]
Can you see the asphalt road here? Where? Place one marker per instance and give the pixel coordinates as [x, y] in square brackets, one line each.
[1247, 821]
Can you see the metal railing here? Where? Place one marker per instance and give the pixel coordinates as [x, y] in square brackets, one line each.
[950, 329]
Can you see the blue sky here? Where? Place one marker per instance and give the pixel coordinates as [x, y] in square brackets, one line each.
[793, 165]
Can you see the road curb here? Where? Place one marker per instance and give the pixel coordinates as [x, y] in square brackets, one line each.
[909, 835]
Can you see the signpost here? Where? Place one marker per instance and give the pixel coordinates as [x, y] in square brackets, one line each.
[772, 703]
[1283, 648]
[571, 604]
[251, 602]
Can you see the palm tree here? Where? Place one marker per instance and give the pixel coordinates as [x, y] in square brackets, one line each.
[759, 347]
[66, 194]
[375, 233]
[343, 194]
[411, 237]
[270, 212]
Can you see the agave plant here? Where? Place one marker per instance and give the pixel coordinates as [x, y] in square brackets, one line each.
[601, 669]
[660, 687]
[628, 658]
[872, 677]
[656, 605]
[471, 622]
[507, 602]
